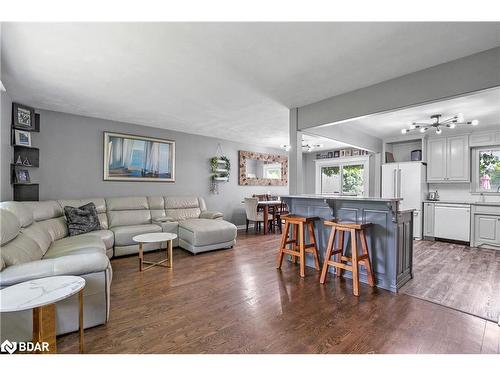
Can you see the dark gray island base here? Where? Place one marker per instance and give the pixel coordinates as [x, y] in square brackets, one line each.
[390, 239]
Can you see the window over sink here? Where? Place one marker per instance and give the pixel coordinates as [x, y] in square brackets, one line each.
[486, 170]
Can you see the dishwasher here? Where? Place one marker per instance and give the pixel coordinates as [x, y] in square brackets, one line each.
[452, 221]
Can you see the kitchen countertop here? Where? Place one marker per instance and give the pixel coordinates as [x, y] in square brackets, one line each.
[475, 203]
[342, 197]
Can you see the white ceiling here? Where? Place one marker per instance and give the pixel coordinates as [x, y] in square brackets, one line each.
[229, 80]
[483, 106]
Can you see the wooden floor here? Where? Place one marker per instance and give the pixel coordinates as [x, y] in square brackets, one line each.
[235, 301]
[457, 276]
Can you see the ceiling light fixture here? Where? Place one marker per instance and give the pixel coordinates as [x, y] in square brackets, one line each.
[438, 125]
[305, 146]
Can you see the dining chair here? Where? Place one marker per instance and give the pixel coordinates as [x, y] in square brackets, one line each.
[253, 215]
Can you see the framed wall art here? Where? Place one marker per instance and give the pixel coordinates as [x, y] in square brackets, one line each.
[136, 158]
[23, 117]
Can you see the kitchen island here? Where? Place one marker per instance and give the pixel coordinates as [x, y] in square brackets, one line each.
[390, 239]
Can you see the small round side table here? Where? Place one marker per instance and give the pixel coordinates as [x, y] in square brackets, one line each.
[41, 296]
[154, 238]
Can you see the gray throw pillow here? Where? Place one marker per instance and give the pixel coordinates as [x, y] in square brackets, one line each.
[82, 220]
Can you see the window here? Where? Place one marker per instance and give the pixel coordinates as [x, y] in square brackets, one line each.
[346, 178]
[486, 172]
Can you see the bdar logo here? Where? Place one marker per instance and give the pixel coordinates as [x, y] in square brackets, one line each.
[8, 347]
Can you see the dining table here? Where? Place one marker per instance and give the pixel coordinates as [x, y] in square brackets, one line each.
[264, 205]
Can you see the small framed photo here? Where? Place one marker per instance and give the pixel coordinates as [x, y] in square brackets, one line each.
[347, 152]
[355, 152]
[23, 117]
[22, 176]
[330, 154]
[22, 138]
[336, 154]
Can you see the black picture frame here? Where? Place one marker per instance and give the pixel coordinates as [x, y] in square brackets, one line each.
[23, 117]
[336, 154]
[22, 176]
[330, 154]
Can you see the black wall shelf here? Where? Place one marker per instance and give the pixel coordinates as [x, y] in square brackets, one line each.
[24, 191]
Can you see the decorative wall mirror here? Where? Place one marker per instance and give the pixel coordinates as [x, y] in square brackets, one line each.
[263, 169]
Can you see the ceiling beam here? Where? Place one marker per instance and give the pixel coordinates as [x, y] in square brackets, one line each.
[348, 134]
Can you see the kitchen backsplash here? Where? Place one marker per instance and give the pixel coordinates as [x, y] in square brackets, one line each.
[460, 192]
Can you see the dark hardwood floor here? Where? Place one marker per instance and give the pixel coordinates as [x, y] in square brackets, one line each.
[457, 276]
[235, 301]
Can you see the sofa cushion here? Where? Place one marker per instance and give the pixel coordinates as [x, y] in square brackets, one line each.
[21, 249]
[181, 208]
[38, 234]
[124, 234]
[82, 244]
[201, 232]
[82, 219]
[74, 264]
[9, 226]
[57, 228]
[127, 203]
[44, 210]
[129, 217]
[105, 235]
[22, 212]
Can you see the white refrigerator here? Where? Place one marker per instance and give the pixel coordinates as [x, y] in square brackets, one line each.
[407, 180]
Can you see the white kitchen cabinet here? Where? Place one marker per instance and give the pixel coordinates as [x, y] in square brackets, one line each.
[428, 219]
[487, 228]
[436, 159]
[448, 159]
[484, 139]
[457, 158]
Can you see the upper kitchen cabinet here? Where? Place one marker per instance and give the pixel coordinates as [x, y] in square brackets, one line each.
[448, 159]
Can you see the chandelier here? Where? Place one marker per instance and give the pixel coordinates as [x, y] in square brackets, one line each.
[439, 124]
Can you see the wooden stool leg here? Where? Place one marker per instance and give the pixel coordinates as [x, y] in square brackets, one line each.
[355, 270]
[368, 264]
[329, 250]
[312, 238]
[284, 238]
[295, 229]
[302, 250]
[339, 270]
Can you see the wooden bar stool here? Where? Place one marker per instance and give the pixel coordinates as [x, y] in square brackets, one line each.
[298, 240]
[342, 261]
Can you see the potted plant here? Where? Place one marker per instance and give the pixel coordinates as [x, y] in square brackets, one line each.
[221, 167]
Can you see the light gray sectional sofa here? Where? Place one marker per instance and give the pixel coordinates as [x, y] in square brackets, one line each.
[35, 244]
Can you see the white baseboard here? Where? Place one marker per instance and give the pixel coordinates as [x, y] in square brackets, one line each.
[243, 226]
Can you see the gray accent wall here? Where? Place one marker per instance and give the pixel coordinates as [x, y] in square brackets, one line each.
[71, 164]
[5, 148]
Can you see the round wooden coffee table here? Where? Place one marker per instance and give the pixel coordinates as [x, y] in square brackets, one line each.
[154, 238]
[41, 296]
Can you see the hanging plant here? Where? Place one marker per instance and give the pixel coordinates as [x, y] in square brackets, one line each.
[221, 167]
